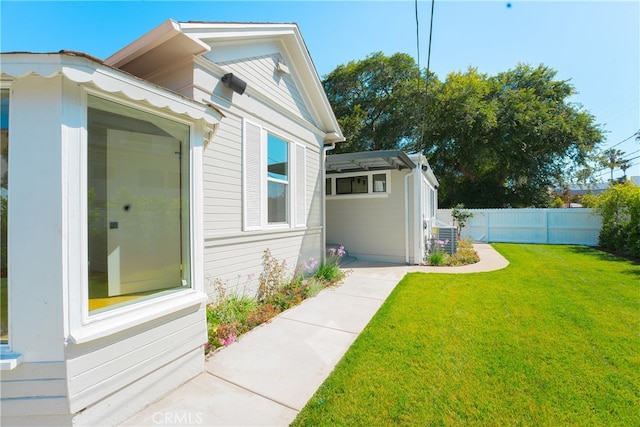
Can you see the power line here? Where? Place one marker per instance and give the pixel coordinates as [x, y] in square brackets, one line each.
[417, 32]
[630, 154]
[625, 140]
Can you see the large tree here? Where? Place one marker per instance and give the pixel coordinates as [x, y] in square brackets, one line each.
[492, 141]
[504, 140]
[373, 101]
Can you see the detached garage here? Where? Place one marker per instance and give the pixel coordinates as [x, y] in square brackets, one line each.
[381, 205]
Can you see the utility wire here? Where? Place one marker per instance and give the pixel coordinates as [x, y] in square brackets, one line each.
[417, 36]
[426, 89]
[636, 134]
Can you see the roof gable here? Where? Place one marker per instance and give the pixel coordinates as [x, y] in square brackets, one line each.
[239, 47]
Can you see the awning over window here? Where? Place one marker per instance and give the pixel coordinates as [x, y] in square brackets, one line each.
[368, 161]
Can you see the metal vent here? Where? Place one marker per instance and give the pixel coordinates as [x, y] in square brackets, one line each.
[449, 235]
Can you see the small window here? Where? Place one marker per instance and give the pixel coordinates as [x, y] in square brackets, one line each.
[352, 185]
[277, 179]
[380, 183]
[327, 186]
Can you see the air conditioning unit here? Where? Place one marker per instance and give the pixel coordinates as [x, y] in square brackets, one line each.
[448, 234]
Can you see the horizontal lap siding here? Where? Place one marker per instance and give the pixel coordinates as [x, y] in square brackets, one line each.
[237, 262]
[223, 179]
[280, 87]
[38, 389]
[370, 228]
[314, 184]
[95, 373]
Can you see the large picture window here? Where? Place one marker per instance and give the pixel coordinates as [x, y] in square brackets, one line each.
[138, 205]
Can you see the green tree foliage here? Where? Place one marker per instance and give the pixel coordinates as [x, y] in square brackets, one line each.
[613, 158]
[504, 140]
[619, 207]
[373, 101]
[493, 141]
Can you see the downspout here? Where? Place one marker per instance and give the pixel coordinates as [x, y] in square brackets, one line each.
[406, 214]
[323, 185]
[418, 209]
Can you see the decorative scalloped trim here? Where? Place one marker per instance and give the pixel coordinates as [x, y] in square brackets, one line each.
[84, 70]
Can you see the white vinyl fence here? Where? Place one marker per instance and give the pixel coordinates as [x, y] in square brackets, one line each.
[575, 226]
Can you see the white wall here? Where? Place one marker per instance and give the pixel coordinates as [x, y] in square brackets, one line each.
[70, 362]
[232, 254]
[370, 228]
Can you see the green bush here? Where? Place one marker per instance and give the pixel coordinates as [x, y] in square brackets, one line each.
[437, 258]
[619, 207]
[230, 316]
[463, 256]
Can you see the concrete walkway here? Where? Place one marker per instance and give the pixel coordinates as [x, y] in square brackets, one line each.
[268, 376]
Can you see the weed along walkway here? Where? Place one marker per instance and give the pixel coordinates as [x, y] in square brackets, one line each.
[268, 376]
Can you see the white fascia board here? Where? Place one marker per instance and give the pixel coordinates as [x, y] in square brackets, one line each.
[151, 40]
[421, 160]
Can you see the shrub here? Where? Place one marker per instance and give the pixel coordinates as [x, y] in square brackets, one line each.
[437, 258]
[619, 207]
[272, 277]
[463, 256]
[330, 271]
[229, 316]
[262, 314]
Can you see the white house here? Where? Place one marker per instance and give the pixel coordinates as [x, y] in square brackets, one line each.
[381, 205]
[133, 183]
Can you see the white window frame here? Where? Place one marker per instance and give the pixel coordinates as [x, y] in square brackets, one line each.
[287, 182]
[10, 360]
[370, 194]
[85, 327]
[255, 180]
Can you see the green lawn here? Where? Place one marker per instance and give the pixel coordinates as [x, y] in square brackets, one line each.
[553, 339]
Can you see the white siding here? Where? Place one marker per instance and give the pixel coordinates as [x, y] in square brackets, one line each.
[34, 389]
[237, 260]
[233, 252]
[370, 228]
[261, 72]
[102, 367]
[56, 377]
[223, 179]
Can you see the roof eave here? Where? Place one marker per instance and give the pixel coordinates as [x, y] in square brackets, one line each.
[153, 39]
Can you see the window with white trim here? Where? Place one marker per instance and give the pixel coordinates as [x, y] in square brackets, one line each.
[277, 180]
[274, 180]
[138, 205]
[358, 184]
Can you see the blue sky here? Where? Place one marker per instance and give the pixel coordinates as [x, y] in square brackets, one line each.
[595, 44]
